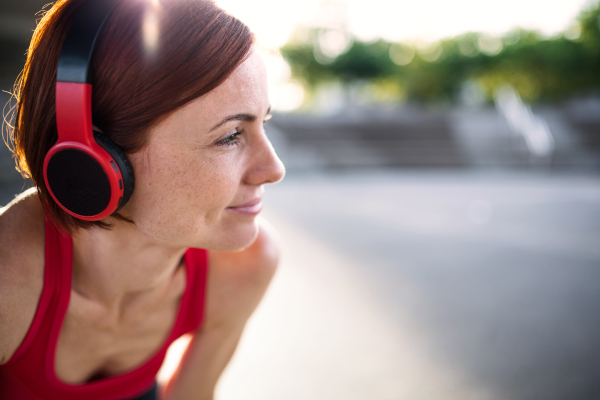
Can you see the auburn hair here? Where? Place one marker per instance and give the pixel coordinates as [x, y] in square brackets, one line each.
[151, 58]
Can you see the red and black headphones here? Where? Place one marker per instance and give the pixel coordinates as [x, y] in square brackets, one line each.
[86, 173]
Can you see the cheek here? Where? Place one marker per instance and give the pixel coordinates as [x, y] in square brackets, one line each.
[206, 188]
[181, 198]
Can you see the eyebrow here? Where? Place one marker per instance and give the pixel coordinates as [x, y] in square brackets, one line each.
[239, 117]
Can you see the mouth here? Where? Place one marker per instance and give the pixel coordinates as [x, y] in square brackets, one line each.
[253, 207]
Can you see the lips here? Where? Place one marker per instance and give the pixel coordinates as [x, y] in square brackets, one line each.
[253, 207]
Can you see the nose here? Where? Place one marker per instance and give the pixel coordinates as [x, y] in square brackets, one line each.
[265, 166]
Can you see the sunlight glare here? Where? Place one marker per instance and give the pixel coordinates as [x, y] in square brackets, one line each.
[334, 42]
[151, 28]
[573, 32]
[172, 359]
[284, 95]
[429, 52]
[489, 45]
[401, 54]
[273, 21]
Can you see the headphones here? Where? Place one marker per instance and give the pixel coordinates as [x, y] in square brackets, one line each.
[86, 173]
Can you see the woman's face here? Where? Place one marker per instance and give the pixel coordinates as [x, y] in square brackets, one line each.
[200, 176]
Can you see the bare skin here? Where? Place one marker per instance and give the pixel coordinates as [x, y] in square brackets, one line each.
[191, 180]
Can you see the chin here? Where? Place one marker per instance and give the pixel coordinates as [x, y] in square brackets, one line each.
[236, 239]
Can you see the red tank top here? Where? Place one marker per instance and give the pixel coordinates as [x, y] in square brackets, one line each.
[30, 375]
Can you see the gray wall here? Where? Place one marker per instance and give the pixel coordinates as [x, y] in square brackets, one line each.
[17, 22]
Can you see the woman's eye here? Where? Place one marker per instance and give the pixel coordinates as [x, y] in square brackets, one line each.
[267, 119]
[231, 139]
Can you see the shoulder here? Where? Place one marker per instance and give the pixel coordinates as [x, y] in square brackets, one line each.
[21, 268]
[238, 280]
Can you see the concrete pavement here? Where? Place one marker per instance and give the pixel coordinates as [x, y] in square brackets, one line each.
[428, 286]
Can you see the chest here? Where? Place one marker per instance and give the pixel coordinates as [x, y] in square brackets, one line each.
[95, 343]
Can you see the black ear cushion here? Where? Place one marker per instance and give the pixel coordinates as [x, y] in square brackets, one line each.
[122, 162]
[78, 182]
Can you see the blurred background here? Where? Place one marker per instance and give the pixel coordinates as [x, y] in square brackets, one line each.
[440, 216]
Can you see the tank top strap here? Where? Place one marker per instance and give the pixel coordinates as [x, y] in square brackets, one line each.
[196, 263]
[57, 276]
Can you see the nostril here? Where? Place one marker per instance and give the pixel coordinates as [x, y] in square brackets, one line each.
[278, 169]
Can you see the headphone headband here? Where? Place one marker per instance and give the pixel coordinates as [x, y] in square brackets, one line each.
[87, 174]
[76, 53]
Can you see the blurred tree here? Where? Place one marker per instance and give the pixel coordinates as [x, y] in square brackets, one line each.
[541, 69]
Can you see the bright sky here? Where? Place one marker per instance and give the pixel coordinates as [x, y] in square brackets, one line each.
[274, 20]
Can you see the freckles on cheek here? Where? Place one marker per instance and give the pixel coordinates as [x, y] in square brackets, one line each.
[211, 186]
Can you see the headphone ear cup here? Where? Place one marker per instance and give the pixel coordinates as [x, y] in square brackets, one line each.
[122, 162]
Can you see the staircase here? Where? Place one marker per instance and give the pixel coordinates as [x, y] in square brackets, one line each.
[415, 137]
[371, 138]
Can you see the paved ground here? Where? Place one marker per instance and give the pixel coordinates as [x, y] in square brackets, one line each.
[428, 286]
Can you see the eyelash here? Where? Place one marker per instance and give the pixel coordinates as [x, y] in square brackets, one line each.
[231, 139]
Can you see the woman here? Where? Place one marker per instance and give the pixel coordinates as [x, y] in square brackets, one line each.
[88, 308]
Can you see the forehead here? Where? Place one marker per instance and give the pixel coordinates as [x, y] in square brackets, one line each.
[244, 91]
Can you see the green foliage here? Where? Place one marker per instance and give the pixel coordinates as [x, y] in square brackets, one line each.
[541, 69]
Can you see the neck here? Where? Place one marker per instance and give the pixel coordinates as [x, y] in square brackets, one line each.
[119, 265]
